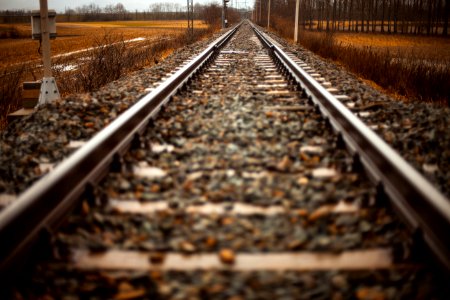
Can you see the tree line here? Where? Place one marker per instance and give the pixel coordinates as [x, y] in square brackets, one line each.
[429, 17]
[117, 12]
[210, 13]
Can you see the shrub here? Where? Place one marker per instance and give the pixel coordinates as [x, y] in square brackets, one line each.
[282, 26]
[12, 32]
[10, 91]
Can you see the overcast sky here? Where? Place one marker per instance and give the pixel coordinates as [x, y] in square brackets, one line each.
[60, 5]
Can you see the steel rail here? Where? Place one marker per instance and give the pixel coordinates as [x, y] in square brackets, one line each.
[44, 204]
[423, 207]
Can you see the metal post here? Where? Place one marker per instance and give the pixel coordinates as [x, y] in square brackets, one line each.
[297, 12]
[49, 90]
[268, 16]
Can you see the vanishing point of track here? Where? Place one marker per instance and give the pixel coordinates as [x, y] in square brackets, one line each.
[220, 177]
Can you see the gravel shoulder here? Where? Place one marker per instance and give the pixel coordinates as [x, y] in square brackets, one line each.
[237, 136]
[418, 131]
[29, 147]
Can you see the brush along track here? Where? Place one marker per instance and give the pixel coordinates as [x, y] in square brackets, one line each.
[238, 178]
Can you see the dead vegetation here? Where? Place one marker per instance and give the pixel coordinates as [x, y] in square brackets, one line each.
[110, 59]
[10, 91]
[411, 67]
[406, 73]
[78, 36]
[110, 56]
[12, 32]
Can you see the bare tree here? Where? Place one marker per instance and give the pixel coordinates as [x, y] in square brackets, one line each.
[393, 16]
[446, 15]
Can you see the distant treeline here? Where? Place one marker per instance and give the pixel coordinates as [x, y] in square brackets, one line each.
[392, 16]
[14, 16]
[210, 13]
[93, 12]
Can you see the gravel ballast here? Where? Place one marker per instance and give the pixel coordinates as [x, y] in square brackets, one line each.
[239, 136]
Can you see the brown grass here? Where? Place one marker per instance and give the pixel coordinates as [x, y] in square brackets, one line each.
[77, 36]
[283, 27]
[405, 66]
[12, 32]
[94, 68]
[419, 46]
[401, 65]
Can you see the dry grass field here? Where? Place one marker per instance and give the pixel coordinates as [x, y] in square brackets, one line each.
[407, 67]
[126, 46]
[77, 36]
[420, 46]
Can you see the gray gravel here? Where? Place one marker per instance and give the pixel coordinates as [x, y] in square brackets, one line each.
[394, 284]
[420, 132]
[44, 137]
[234, 142]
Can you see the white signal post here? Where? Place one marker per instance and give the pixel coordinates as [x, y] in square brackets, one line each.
[49, 90]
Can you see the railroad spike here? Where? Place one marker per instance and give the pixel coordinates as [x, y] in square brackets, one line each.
[89, 193]
[137, 142]
[340, 142]
[381, 197]
[357, 166]
[117, 164]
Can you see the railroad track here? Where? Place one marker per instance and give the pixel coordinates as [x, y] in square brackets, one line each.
[253, 181]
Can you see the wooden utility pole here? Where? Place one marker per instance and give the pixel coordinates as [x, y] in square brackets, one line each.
[260, 15]
[268, 16]
[297, 12]
[45, 38]
[225, 14]
[190, 17]
[49, 90]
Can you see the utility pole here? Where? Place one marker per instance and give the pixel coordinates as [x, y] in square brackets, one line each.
[260, 15]
[297, 12]
[49, 91]
[224, 14]
[268, 16]
[190, 17]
